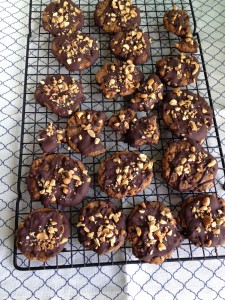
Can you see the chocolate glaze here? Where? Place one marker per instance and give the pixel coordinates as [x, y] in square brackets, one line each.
[120, 122]
[188, 44]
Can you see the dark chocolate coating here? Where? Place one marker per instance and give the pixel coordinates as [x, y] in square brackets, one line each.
[120, 122]
[188, 44]
[50, 138]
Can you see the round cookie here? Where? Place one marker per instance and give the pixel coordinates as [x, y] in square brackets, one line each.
[43, 234]
[202, 218]
[152, 232]
[187, 114]
[62, 17]
[187, 44]
[101, 227]
[58, 179]
[177, 21]
[113, 16]
[76, 51]
[125, 173]
[179, 70]
[131, 45]
[61, 94]
[187, 166]
[120, 122]
[118, 79]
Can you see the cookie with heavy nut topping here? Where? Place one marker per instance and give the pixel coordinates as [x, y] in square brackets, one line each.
[120, 121]
[101, 227]
[152, 232]
[61, 94]
[58, 179]
[187, 166]
[83, 132]
[76, 51]
[125, 173]
[202, 218]
[131, 45]
[43, 234]
[118, 79]
[180, 70]
[62, 17]
[188, 44]
[113, 16]
[187, 114]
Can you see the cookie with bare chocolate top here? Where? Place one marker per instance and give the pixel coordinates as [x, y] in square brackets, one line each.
[202, 218]
[177, 21]
[113, 16]
[83, 132]
[125, 173]
[43, 234]
[76, 51]
[187, 114]
[62, 17]
[152, 232]
[101, 227]
[187, 44]
[187, 166]
[148, 94]
[179, 70]
[61, 94]
[118, 79]
[120, 122]
[58, 179]
[131, 45]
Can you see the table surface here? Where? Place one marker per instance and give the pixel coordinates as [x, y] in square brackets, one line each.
[179, 280]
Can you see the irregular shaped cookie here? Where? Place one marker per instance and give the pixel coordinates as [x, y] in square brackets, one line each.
[177, 21]
[58, 179]
[131, 45]
[143, 131]
[179, 70]
[62, 17]
[120, 122]
[187, 114]
[43, 234]
[101, 227]
[61, 94]
[118, 79]
[187, 44]
[188, 167]
[113, 16]
[125, 173]
[202, 217]
[152, 232]
[76, 51]
[83, 132]
[148, 94]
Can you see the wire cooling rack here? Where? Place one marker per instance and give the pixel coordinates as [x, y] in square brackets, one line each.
[40, 63]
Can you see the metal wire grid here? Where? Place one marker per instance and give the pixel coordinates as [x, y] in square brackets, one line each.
[39, 63]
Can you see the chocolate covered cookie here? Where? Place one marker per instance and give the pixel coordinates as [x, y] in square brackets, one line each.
[61, 94]
[101, 227]
[58, 179]
[120, 121]
[125, 173]
[76, 51]
[152, 232]
[187, 166]
[187, 44]
[187, 114]
[43, 234]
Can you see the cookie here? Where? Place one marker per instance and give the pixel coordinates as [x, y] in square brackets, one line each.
[61, 94]
[118, 79]
[152, 232]
[62, 17]
[187, 44]
[177, 21]
[143, 131]
[101, 227]
[83, 132]
[113, 16]
[43, 234]
[187, 166]
[133, 45]
[180, 70]
[76, 51]
[202, 218]
[120, 122]
[58, 179]
[148, 94]
[187, 114]
[125, 173]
